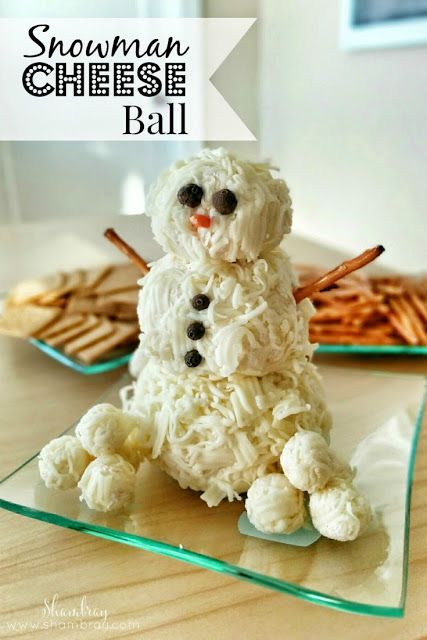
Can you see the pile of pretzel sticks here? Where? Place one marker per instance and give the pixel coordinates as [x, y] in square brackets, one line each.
[364, 310]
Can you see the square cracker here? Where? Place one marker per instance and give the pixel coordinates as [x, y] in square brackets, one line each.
[93, 277]
[82, 304]
[123, 331]
[72, 282]
[26, 320]
[30, 290]
[69, 334]
[95, 335]
[61, 324]
[118, 303]
[120, 278]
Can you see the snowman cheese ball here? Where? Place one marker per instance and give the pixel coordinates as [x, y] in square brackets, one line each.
[226, 399]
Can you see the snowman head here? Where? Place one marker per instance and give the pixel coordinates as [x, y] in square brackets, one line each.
[216, 206]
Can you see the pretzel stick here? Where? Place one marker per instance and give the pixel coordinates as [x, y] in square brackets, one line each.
[400, 324]
[409, 319]
[416, 322]
[339, 272]
[379, 310]
[130, 253]
[419, 305]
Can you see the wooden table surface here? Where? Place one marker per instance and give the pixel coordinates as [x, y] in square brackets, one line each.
[147, 595]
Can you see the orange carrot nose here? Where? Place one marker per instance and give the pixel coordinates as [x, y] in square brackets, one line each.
[199, 220]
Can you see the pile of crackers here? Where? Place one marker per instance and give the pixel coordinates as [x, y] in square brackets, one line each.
[88, 314]
[364, 310]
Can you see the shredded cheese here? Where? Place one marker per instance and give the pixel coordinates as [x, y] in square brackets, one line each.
[211, 435]
[257, 331]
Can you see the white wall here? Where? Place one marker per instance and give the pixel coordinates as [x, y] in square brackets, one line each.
[349, 131]
[238, 77]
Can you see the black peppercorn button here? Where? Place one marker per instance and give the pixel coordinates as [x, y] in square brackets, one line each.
[224, 201]
[192, 358]
[200, 302]
[191, 195]
[195, 331]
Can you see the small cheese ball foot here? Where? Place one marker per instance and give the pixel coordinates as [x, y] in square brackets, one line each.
[108, 483]
[339, 511]
[273, 505]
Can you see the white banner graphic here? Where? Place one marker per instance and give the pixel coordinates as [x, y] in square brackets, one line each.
[116, 79]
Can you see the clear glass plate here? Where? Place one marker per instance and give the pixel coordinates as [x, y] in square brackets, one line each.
[380, 349]
[377, 418]
[109, 364]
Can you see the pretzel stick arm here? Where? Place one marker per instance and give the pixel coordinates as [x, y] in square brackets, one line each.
[130, 253]
[339, 272]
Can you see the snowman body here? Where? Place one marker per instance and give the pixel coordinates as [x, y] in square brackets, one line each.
[249, 323]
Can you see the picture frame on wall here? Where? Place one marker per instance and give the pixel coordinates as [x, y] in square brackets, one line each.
[372, 24]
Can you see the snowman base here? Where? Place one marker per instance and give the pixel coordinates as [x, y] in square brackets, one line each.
[219, 435]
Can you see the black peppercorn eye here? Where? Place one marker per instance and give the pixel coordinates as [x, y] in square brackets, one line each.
[224, 201]
[190, 195]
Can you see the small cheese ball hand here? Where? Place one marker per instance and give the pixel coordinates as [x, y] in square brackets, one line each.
[62, 462]
[104, 429]
[339, 511]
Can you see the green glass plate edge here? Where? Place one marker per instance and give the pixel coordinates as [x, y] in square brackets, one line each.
[409, 482]
[213, 564]
[394, 349]
[86, 369]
